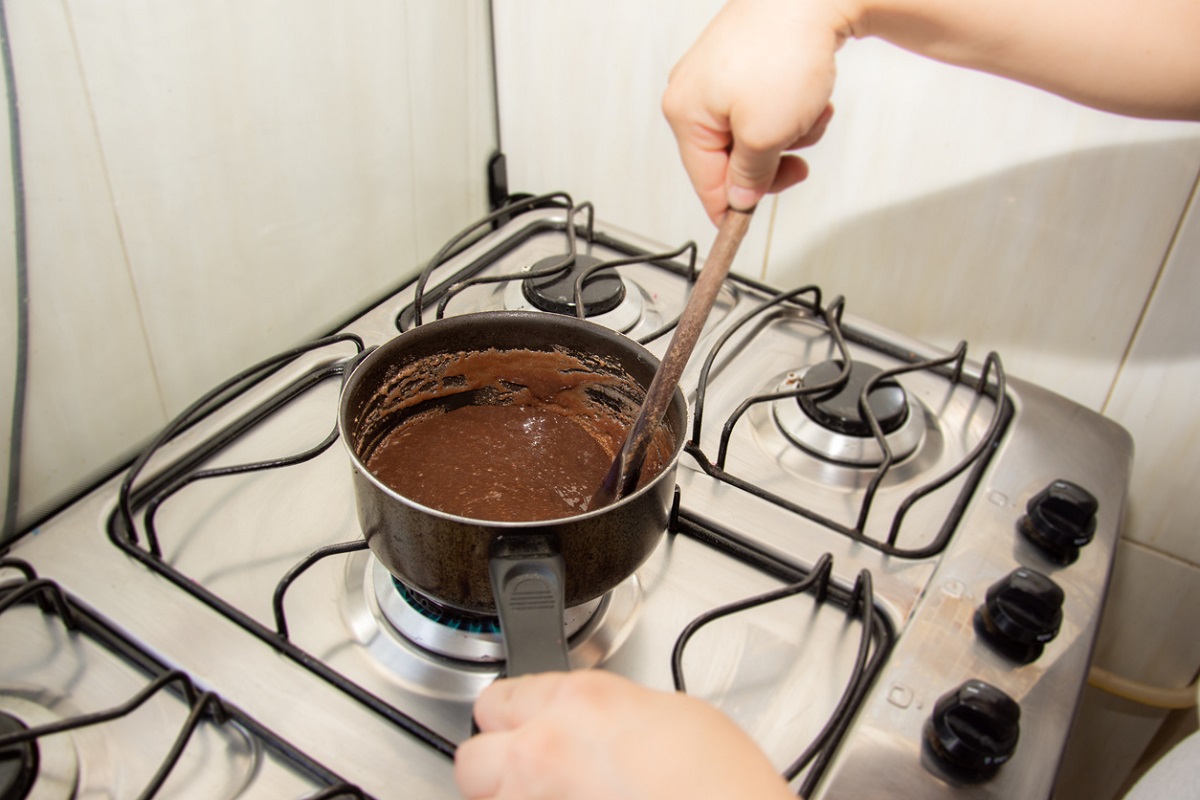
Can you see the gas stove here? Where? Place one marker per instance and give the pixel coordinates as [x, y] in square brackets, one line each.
[885, 561]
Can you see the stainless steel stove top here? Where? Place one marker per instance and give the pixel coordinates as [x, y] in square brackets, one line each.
[880, 569]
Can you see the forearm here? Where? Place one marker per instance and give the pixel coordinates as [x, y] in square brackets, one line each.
[757, 83]
[1139, 59]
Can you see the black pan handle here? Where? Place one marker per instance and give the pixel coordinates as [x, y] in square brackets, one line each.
[528, 577]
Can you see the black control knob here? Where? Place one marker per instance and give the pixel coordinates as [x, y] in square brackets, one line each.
[973, 730]
[1020, 613]
[1060, 519]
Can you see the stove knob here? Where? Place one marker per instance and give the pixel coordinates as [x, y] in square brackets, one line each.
[973, 730]
[1020, 613]
[1060, 519]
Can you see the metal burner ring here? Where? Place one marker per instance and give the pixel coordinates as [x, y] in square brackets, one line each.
[466, 645]
[857, 451]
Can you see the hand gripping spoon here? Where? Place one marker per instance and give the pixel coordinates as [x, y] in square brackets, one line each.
[626, 468]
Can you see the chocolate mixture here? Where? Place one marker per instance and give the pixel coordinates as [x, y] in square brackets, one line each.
[535, 444]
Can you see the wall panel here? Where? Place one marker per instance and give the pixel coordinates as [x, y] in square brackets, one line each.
[212, 182]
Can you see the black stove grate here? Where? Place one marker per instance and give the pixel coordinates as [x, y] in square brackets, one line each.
[149, 498]
[950, 366]
[204, 705]
[439, 297]
[858, 601]
[991, 382]
[872, 652]
[145, 496]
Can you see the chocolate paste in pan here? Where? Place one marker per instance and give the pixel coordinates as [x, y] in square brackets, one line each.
[537, 448]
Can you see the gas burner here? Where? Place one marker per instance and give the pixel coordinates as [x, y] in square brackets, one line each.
[603, 292]
[44, 769]
[606, 299]
[451, 632]
[371, 603]
[18, 764]
[831, 425]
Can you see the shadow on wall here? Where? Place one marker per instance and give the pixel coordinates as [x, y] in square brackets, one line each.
[1047, 262]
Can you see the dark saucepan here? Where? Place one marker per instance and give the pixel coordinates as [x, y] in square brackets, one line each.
[505, 358]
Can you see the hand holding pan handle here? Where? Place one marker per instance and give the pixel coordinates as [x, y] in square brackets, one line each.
[528, 577]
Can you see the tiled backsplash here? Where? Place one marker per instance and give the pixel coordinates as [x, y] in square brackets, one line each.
[209, 183]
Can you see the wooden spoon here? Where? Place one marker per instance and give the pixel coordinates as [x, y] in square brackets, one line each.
[626, 468]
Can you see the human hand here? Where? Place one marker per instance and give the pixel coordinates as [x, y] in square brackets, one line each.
[755, 84]
[592, 734]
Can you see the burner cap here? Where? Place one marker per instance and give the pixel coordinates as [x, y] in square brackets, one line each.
[838, 410]
[18, 764]
[603, 292]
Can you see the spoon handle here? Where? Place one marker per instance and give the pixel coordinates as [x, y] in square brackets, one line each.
[626, 468]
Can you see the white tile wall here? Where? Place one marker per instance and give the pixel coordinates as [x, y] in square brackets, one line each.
[91, 392]
[270, 161]
[579, 92]
[953, 205]
[210, 182]
[1157, 397]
